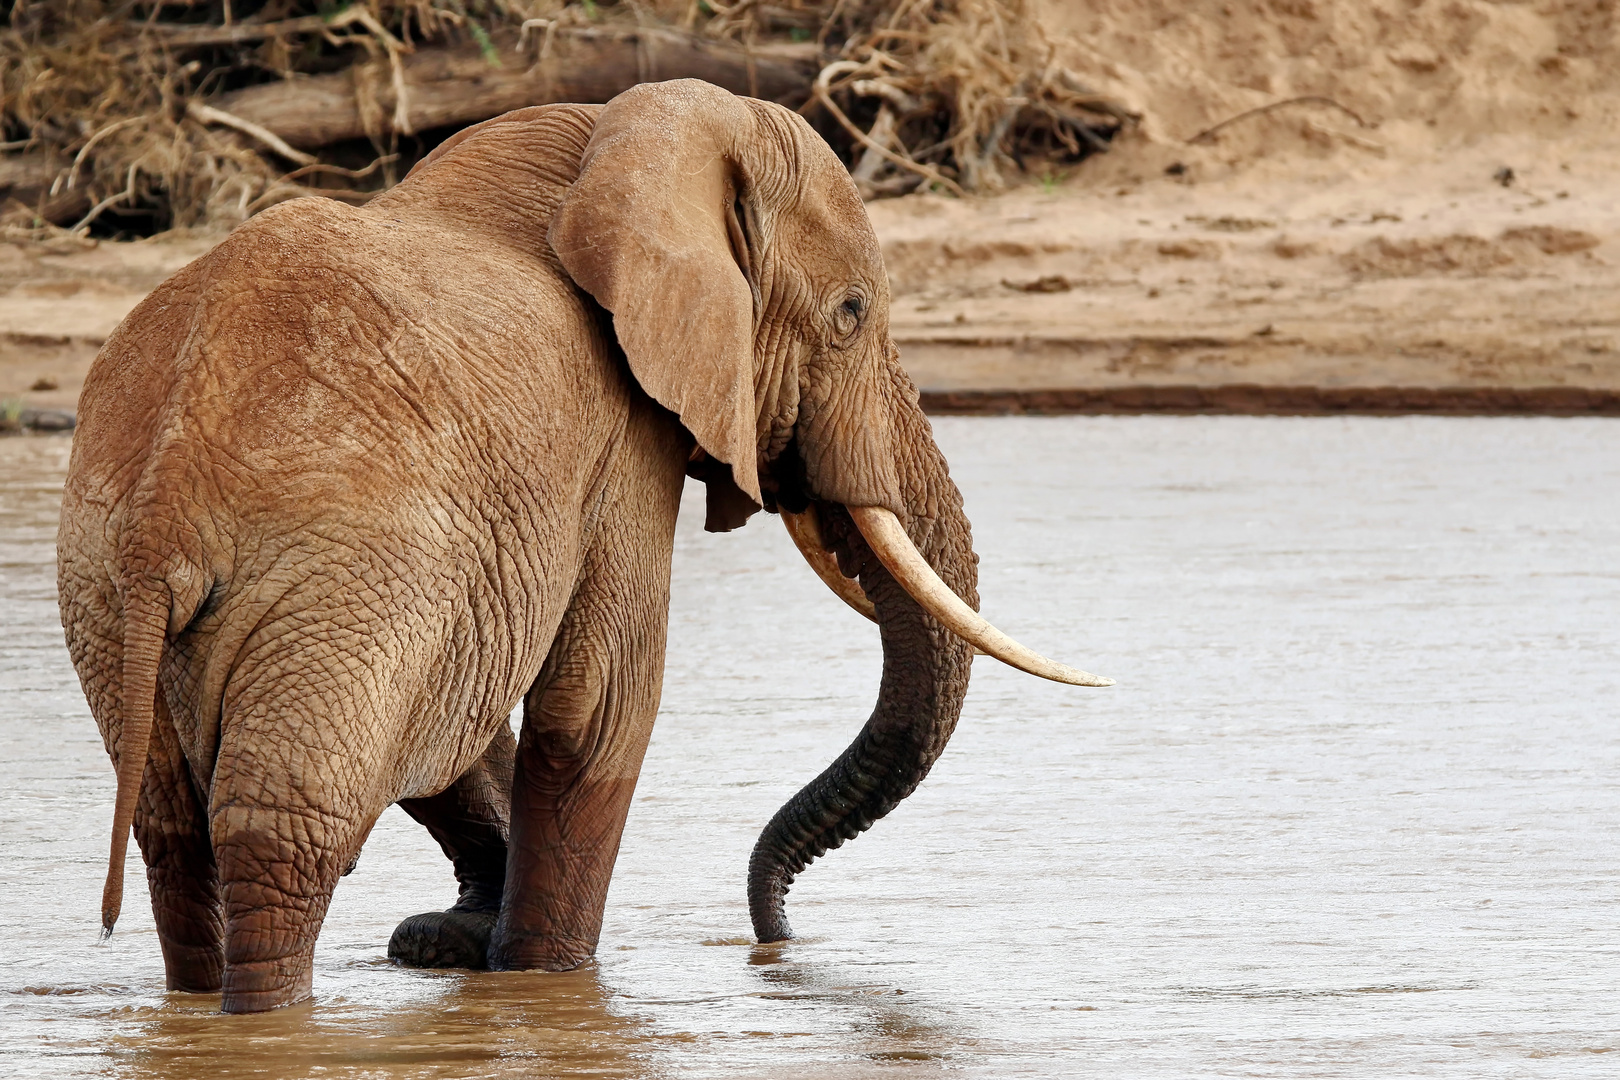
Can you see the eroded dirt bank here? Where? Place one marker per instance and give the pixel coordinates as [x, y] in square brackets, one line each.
[1415, 273]
[1428, 274]
[1325, 206]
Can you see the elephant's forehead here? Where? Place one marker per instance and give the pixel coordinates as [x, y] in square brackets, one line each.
[830, 232]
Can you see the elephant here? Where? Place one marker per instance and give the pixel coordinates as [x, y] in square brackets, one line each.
[353, 484]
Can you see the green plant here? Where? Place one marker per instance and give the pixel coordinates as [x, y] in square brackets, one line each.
[485, 45]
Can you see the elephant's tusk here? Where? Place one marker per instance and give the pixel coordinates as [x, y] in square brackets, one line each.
[805, 529]
[889, 542]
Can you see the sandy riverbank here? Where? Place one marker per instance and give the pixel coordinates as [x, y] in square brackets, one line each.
[1424, 273]
[1135, 286]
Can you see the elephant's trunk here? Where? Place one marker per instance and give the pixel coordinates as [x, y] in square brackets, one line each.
[925, 676]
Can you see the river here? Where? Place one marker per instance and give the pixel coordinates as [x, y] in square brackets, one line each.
[1352, 810]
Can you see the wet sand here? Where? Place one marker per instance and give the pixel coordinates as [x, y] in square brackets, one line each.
[1350, 811]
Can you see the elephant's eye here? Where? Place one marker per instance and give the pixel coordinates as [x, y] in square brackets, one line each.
[848, 318]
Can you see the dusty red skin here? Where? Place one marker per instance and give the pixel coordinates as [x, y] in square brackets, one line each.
[354, 482]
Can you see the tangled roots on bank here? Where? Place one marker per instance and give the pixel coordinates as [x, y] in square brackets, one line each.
[956, 93]
[111, 117]
[103, 105]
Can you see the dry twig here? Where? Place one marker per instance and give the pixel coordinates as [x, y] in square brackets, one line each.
[861, 137]
[207, 114]
[1307, 99]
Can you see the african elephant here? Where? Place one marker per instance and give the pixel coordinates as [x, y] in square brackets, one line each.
[352, 484]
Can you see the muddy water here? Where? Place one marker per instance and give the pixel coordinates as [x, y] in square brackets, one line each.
[1352, 809]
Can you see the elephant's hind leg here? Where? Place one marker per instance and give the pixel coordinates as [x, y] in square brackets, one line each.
[288, 815]
[469, 820]
[171, 827]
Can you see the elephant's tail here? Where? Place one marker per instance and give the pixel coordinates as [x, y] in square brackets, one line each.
[146, 620]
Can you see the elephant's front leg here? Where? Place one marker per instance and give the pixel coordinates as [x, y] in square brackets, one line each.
[469, 820]
[586, 723]
[585, 728]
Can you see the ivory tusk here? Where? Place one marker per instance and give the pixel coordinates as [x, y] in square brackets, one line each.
[889, 542]
[805, 529]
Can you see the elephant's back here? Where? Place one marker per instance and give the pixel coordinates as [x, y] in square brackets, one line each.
[318, 348]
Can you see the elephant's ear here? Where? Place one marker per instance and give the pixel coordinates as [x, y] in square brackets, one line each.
[645, 231]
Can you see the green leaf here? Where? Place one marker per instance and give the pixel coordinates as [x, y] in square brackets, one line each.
[485, 46]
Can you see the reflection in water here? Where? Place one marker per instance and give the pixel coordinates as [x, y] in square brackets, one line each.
[887, 1026]
[1350, 811]
[476, 1023]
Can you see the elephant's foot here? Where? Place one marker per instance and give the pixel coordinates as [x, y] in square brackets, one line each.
[539, 952]
[443, 939]
[267, 984]
[193, 969]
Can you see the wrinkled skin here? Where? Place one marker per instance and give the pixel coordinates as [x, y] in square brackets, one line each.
[354, 483]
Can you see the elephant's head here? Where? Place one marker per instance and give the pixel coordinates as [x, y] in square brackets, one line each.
[749, 295]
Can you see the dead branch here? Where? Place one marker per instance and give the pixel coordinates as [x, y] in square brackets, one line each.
[242, 33]
[822, 95]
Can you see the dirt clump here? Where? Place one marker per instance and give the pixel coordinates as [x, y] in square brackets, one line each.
[1384, 257]
[1551, 240]
[1461, 254]
[1189, 249]
[1046, 283]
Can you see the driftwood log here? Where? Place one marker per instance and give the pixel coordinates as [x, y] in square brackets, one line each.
[445, 87]
[32, 181]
